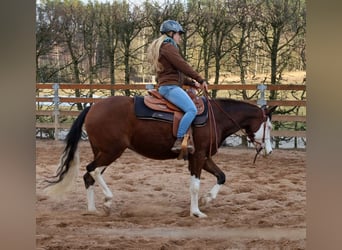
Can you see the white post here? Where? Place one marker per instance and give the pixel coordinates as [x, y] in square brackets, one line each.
[55, 86]
[261, 101]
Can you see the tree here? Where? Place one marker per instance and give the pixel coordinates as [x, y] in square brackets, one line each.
[108, 26]
[131, 23]
[204, 27]
[47, 31]
[279, 23]
[101, 41]
[244, 34]
[224, 38]
[215, 26]
[90, 39]
[70, 18]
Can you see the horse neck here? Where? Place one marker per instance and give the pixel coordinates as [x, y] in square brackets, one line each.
[233, 115]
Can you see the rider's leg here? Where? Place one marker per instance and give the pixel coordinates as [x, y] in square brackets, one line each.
[181, 99]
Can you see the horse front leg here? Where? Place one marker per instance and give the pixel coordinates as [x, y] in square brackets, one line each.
[212, 168]
[194, 192]
[195, 168]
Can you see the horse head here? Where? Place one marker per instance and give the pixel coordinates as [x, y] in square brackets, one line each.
[262, 137]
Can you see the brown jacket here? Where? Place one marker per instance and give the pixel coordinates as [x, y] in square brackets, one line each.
[175, 68]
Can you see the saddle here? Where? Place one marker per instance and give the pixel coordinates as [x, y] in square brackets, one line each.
[155, 106]
[156, 101]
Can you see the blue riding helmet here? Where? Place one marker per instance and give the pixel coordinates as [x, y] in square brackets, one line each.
[171, 25]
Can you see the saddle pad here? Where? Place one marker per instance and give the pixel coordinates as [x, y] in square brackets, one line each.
[144, 112]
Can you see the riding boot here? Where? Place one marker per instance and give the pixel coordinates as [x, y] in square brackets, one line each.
[177, 146]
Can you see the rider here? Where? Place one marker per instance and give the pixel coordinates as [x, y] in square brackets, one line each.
[172, 69]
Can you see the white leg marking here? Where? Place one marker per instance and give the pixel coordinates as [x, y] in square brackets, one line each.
[210, 195]
[214, 191]
[91, 200]
[194, 191]
[99, 179]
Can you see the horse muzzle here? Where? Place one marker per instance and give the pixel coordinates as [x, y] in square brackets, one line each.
[265, 148]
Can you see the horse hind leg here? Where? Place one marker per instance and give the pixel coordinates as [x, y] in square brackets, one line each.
[89, 185]
[94, 174]
[97, 175]
[212, 168]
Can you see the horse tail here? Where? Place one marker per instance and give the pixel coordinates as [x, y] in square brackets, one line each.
[69, 159]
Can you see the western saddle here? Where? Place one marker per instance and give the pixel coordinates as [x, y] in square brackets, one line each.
[156, 101]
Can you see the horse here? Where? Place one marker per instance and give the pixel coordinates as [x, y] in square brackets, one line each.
[112, 126]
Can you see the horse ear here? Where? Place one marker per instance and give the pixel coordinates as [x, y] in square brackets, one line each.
[271, 109]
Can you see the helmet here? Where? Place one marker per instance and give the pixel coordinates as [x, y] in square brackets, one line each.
[171, 25]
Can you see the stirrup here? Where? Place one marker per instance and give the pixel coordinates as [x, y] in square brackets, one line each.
[191, 149]
[188, 142]
[186, 148]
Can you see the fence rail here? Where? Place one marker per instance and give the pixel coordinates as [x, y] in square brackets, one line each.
[57, 113]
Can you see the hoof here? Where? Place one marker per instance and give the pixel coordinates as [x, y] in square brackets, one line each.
[106, 210]
[90, 212]
[107, 206]
[205, 200]
[199, 215]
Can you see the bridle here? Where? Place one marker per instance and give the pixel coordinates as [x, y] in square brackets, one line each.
[259, 146]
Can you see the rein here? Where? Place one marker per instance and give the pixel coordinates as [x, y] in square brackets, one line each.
[258, 149]
[258, 145]
[211, 118]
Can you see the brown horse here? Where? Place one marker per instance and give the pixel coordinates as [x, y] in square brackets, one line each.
[112, 127]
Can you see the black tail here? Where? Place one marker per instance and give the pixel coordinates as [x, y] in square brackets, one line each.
[72, 140]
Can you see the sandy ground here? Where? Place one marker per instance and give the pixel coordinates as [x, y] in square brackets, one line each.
[261, 206]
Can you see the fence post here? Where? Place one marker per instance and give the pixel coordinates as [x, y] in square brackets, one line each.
[261, 101]
[55, 86]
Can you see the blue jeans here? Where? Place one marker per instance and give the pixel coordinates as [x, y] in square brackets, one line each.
[181, 99]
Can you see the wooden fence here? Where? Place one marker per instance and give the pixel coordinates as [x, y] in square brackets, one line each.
[51, 105]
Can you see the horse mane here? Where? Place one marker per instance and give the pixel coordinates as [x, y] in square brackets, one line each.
[230, 101]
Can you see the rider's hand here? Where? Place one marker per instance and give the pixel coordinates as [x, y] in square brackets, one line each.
[197, 85]
[205, 86]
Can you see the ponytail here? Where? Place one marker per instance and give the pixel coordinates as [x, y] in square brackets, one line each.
[153, 53]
